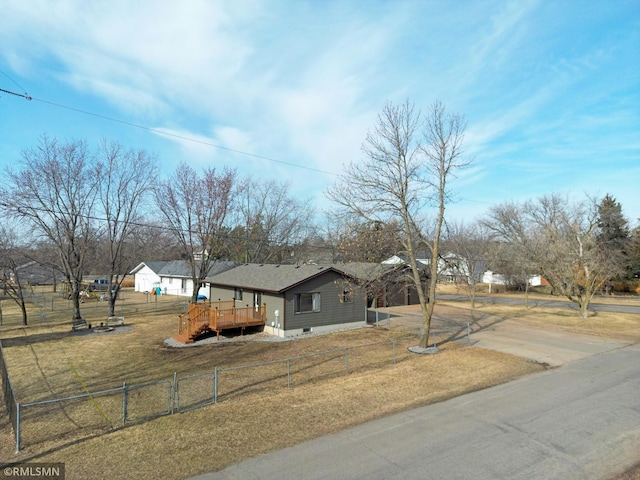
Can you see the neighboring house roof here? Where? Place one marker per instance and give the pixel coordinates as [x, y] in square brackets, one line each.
[181, 268]
[279, 278]
[404, 260]
[35, 272]
[155, 267]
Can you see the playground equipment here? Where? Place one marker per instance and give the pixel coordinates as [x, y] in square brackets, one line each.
[216, 317]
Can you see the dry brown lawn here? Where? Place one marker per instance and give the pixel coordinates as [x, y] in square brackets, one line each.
[47, 361]
[613, 325]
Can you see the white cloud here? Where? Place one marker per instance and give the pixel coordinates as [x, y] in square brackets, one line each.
[302, 82]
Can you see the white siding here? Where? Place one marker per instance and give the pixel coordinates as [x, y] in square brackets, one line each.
[145, 280]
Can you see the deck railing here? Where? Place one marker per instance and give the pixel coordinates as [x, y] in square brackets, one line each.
[218, 316]
[238, 317]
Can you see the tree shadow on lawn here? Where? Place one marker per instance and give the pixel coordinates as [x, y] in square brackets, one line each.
[53, 336]
[451, 324]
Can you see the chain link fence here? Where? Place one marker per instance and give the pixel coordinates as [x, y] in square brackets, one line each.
[95, 412]
[8, 394]
[47, 307]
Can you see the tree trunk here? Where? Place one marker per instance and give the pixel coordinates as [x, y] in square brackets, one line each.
[23, 307]
[75, 299]
[112, 302]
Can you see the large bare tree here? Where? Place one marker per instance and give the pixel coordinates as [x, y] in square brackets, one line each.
[54, 191]
[270, 221]
[196, 208]
[128, 176]
[559, 238]
[409, 160]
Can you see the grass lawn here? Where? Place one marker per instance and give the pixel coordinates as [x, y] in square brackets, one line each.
[46, 361]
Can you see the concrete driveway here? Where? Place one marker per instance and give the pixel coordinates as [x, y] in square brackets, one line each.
[552, 347]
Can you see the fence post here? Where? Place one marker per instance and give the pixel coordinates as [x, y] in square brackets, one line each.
[215, 385]
[346, 361]
[124, 404]
[468, 334]
[393, 346]
[17, 427]
[175, 403]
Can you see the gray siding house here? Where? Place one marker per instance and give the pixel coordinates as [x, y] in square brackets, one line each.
[299, 298]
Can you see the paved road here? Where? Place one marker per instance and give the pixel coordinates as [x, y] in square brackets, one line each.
[600, 307]
[580, 421]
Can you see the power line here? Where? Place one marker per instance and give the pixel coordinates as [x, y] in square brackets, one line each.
[181, 137]
[17, 85]
[160, 132]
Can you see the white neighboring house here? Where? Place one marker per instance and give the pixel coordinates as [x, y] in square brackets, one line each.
[172, 277]
[493, 278]
[403, 259]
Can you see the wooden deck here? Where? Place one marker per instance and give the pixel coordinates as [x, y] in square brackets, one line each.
[216, 317]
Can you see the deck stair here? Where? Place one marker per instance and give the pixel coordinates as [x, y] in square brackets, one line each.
[216, 317]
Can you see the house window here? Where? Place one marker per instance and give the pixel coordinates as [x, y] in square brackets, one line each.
[346, 296]
[306, 302]
[238, 294]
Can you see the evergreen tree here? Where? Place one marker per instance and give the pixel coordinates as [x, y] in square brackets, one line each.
[614, 235]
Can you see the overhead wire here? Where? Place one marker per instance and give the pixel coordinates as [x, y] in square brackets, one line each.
[178, 136]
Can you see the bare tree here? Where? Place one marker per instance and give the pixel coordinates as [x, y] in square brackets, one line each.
[270, 221]
[10, 281]
[409, 160]
[359, 241]
[470, 245]
[560, 239]
[196, 209]
[151, 240]
[54, 191]
[128, 176]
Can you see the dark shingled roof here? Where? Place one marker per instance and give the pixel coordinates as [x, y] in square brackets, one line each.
[279, 278]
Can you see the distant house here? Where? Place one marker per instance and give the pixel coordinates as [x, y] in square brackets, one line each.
[35, 273]
[493, 278]
[423, 261]
[453, 268]
[172, 277]
[299, 298]
[396, 286]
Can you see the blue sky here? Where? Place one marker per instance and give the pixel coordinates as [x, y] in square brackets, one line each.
[550, 89]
